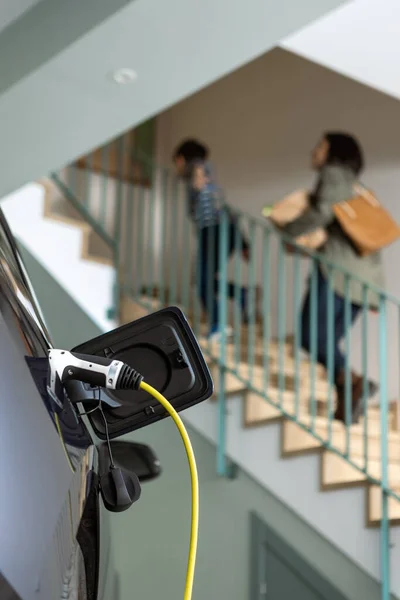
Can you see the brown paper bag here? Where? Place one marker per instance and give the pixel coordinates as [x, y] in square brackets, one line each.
[290, 208]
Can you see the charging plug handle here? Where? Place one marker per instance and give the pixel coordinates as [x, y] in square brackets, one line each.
[97, 371]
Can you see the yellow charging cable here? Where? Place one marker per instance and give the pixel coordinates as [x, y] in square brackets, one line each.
[195, 485]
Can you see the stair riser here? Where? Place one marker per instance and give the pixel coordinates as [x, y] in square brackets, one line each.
[374, 508]
[337, 473]
[288, 399]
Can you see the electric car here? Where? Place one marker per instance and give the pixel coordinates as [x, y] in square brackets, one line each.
[54, 529]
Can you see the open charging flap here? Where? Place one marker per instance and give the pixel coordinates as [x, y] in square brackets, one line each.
[163, 348]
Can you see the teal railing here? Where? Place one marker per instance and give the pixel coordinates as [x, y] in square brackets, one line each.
[156, 253]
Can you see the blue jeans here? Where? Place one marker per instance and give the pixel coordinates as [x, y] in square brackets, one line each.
[322, 323]
[209, 238]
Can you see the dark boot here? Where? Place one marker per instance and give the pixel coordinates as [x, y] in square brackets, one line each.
[357, 391]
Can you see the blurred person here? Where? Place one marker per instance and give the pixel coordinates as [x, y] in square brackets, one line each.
[205, 205]
[338, 161]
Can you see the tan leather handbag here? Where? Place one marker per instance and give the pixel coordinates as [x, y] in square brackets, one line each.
[366, 223]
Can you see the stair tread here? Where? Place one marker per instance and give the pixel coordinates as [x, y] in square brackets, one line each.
[59, 209]
[322, 424]
[296, 440]
[259, 411]
[259, 414]
[337, 472]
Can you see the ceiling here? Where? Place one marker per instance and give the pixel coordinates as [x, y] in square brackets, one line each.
[10, 10]
[360, 40]
[58, 99]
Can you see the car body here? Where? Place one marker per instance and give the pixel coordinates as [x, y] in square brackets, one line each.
[54, 531]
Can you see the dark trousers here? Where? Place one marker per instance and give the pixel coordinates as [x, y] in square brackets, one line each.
[209, 260]
[339, 329]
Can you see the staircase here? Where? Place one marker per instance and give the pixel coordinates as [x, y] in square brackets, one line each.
[141, 231]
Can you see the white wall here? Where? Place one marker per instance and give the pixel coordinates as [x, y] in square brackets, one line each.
[367, 48]
[261, 123]
[58, 247]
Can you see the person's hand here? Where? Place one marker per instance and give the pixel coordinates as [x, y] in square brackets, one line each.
[199, 178]
[246, 254]
[289, 248]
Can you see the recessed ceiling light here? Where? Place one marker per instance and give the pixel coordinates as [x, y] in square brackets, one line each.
[124, 76]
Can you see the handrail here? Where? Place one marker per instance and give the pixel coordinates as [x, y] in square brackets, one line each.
[84, 212]
[153, 241]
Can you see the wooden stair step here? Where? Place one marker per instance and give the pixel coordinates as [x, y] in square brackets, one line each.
[58, 209]
[336, 472]
[259, 411]
[295, 440]
[320, 387]
[232, 384]
[95, 249]
[131, 310]
[374, 507]
[255, 377]
[304, 368]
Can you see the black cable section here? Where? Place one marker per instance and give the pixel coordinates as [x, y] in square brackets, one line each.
[112, 466]
[99, 407]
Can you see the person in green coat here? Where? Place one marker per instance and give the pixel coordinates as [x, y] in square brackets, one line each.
[339, 161]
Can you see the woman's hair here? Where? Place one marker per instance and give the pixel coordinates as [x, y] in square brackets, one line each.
[345, 150]
[191, 150]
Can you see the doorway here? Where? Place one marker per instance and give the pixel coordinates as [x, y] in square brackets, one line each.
[278, 572]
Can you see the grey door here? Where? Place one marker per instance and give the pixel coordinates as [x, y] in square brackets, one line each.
[279, 573]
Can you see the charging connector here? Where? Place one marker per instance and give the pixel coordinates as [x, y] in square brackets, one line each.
[94, 370]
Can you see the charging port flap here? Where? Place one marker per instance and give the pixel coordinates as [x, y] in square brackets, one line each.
[163, 348]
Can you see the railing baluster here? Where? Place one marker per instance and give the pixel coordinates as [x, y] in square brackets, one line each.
[117, 235]
[222, 317]
[385, 541]
[88, 181]
[314, 326]
[251, 301]
[330, 351]
[151, 210]
[297, 330]
[175, 234]
[140, 250]
[348, 375]
[198, 307]
[266, 306]
[104, 186]
[186, 261]
[237, 311]
[281, 321]
[129, 238]
[364, 348]
[163, 221]
[397, 414]
[71, 179]
[209, 271]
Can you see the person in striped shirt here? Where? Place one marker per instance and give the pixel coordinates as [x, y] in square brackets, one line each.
[205, 206]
